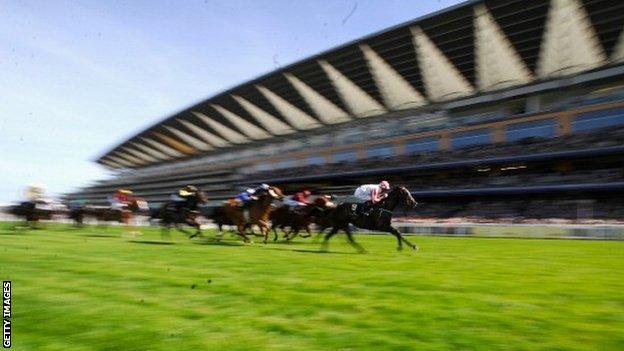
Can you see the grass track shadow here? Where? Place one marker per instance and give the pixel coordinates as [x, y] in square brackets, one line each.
[212, 242]
[152, 242]
[100, 235]
[13, 232]
[315, 251]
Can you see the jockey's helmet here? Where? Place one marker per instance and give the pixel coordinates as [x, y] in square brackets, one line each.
[125, 191]
[264, 186]
[307, 193]
[384, 185]
[191, 188]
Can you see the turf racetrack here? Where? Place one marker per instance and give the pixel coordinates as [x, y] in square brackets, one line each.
[92, 289]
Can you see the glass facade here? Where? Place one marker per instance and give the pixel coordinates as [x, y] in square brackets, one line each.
[316, 160]
[345, 156]
[263, 167]
[598, 119]
[385, 150]
[421, 145]
[470, 138]
[544, 129]
[290, 163]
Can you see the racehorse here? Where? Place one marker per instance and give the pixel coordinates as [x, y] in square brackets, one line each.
[300, 218]
[171, 213]
[218, 217]
[258, 212]
[380, 218]
[108, 214]
[33, 213]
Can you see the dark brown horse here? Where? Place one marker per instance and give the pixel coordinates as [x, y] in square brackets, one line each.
[301, 218]
[33, 213]
[380, 218]
[108, 214]
[257, 214]
[176, 214]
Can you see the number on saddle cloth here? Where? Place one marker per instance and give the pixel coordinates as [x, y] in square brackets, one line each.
[358, 209]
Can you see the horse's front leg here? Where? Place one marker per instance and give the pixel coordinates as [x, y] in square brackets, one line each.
[220, 232]
[264, 230]
[241, 231]
[401, 239]
[195, 224]
[179, 228]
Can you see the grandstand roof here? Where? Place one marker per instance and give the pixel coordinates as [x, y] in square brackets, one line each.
[474, 47]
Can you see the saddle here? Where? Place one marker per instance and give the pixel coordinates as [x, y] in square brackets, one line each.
[365, 210]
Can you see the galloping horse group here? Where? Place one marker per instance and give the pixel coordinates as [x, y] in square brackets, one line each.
[265, 212]
[320, 212]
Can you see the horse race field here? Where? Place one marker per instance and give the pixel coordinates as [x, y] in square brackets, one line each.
[94, 289]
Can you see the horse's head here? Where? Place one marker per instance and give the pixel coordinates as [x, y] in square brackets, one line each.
[400, 196]
[201, 196]
[138, 204]
[324, 201]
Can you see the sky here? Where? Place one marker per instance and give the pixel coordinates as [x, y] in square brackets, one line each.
[78, 77]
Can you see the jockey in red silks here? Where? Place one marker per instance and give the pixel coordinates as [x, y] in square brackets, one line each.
[121, 199]
[371, 194]
[302, 197]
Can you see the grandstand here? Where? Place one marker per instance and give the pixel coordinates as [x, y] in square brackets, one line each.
[488, 109]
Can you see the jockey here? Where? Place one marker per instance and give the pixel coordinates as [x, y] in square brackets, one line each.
[371, 194]
[35, 197]
[34, 193]
[121, 199]
[182, 197]
[300, 199]
[247, 196]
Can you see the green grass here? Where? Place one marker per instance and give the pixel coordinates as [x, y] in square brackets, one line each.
[92, 289]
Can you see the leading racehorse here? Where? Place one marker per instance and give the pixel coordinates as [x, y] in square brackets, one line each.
[258, 213]
[380, 218]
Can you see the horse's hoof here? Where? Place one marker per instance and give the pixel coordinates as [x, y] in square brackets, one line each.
[415, 248]
[400, 248]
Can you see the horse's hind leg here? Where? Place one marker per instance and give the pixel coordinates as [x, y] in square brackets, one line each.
[274, 229]
[195, 224]
[327, 237]
[220, 232]
[352, 242]
[308, 231]
[401, 239]
[241, 232]
[264, 229]
[294, 231]
[164, 231]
